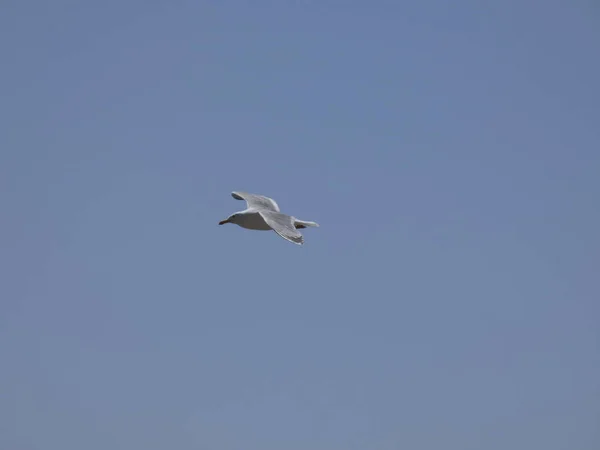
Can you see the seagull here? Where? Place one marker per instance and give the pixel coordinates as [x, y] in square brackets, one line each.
[262, 213]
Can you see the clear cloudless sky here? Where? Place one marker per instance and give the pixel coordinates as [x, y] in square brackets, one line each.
[449, 150]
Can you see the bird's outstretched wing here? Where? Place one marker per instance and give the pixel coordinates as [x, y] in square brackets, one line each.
[283, 225]
[257, 201]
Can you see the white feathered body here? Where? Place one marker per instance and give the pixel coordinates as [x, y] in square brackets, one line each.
[263, 214]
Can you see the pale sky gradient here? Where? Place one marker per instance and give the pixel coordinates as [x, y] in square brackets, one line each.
[449, 150]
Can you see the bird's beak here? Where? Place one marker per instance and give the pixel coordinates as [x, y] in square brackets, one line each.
[223, 222]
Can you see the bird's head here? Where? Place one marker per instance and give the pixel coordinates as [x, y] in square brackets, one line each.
[231, 219]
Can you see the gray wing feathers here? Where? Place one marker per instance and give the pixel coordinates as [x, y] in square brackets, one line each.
[283, 225]
[257, 201]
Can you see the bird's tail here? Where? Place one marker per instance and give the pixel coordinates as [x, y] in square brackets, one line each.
[304, 223]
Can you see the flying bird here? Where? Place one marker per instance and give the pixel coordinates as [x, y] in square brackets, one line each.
[262, 213]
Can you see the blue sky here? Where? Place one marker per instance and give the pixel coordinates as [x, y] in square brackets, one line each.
[449, 150]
